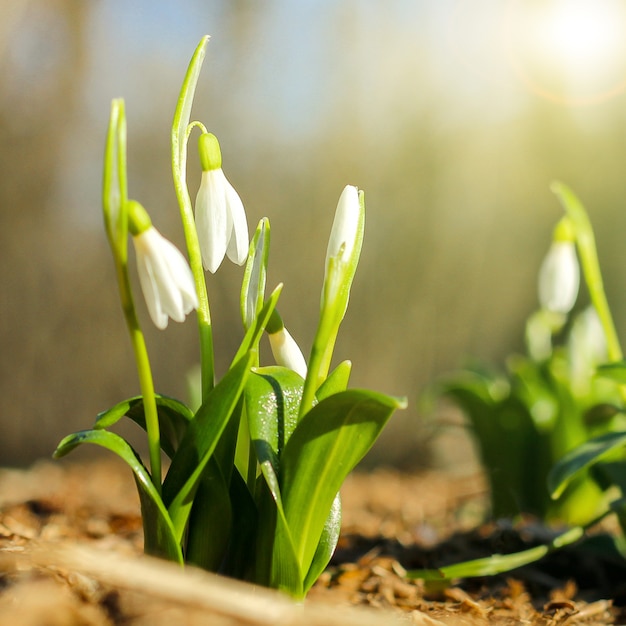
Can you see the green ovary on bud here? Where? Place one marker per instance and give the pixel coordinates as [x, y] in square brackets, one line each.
[210, 153]
[138, 219]
[164, 275]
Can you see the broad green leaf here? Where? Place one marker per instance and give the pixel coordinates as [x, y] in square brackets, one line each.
[507, 437]
[159, 536]
[210, 520]
[323, 449]
[173, 418]
[613, 371]
[326, 546]
[582, 457]
[287, 574]
[276, 564]
[337, 381]
[610, 474]
[200, 441]
[498, 563]
[239, 562]
[272, 397]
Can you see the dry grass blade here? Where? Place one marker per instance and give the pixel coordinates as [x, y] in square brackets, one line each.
[196, 589]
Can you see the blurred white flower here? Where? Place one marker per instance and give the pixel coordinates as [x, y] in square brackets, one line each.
[286, 351]
[165, 277]
[587, 347]
[220, 216]
[559, 278]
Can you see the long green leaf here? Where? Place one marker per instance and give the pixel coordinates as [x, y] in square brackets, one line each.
[613, 371]
[337, 381]
[498, 563]
[174, 417]
[253, 334]
[272, 397]
[582, 457]
[272, 401]
[159, 536]
[200, 441]
[326, 546]
[324, 448]
[210, 520]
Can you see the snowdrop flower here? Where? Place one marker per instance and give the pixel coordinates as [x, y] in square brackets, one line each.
[220, 216]
[164, 275]
[284, 347]
[559, 276]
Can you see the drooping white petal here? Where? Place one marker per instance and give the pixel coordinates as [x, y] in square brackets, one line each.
[212, 219]
[239, 240]
[165, 278]
[345, 225]
[559, 278]
[287, 353]
[150, 288]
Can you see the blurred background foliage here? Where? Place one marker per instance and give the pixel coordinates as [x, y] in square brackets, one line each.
[453, 115]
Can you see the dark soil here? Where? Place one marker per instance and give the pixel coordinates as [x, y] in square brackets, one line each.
[71, 553]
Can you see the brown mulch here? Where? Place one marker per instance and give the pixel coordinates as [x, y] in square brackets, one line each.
[71, 543]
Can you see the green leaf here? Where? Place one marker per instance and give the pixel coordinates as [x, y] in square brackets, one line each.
[255, 274]
[253, 334]
[326, 546]
[159, 536]
[498, 563]
[613, 371]
[582, 457]
[174, 417]
[210, 520]
[612, 474]
[324, 448]
[337, 381]
[199, 442]
[272, 397]
[239, 562]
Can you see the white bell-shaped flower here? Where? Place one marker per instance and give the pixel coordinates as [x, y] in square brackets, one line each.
[164, 275]
[286, 351]
[559, 276]
[220, 216]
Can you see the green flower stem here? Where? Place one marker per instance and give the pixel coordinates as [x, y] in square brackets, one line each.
[586, 244]
[114, 203]
[179, 138]
[146, 382]
[320, 359]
